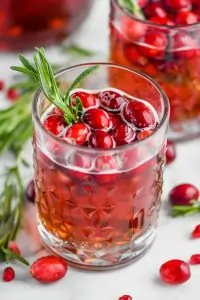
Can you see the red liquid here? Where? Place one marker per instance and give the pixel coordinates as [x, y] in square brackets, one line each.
[26, 24]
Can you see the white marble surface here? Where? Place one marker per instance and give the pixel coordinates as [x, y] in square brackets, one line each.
[140, 279]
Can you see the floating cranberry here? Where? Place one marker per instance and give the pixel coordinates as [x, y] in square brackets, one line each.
[82, 161]
[107, 164]
[30, 191]
[134, 56]
[97, 119]
[154, 44]
[196, 232]
[142, 3]
[2, 85]
[77, 134]
[55, 124]
[170, 153]
[116, 120]
[138, 114]
[175, 272]
[12, 94]
[111, 101]
[183, 194]
[124, 134]
[162, 21]
[194, 259]
[155, 9]
[125, 297]
[133, 29]
[87, 100]
[13, 247]
[196, 3]
[48, 269]
[144, 134]
[186, 18]
[184, 46]
[177, 5]
[8, 274]
[101, 139]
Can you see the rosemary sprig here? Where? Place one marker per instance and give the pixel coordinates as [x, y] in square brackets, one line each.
[77, 51]
[132, 7]
[11, 202]
[186, 210]
[41, 72]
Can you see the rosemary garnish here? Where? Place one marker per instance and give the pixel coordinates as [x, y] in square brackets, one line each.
[77, 50]
[132, 7]
[186, 210]
[41, 72]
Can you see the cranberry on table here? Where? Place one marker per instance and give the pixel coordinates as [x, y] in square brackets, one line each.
[87, 100]
[196, 232]
[12, 94]
[8, 274]
[186, 18]
[175, 272]
[176, 5]
[30, 191]
[101, 139]
[170, 153]
[55, 124]
[124, 134]
[13, 247]
[194, 259]
[2, 85]
[125, 297]
[97, 119]
[183, 194]
[77, 134]
[138, 114]
[111, 100]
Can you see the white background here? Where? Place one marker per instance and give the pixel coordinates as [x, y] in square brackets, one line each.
[173, 241]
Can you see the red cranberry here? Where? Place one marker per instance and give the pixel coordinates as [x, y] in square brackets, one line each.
[55, 124]
[8, 274]
[186, 18]
[101, 139]
[13, 247]
[30, 191]
[134, 56]
[142, 3]
[97, 119]
[194, 259]
[162, 21]
[139, 114]
[2, 85]
[196, 232]
[77, 134]
[175, 272]
[87, 100]
[106, 163]
[111, 101]
[170, 153]
[125, 297]
[155, 9]
[183, 194]
[177, 5]
[184, 46]
[144, 134]
[12, 94]
[124, 134]
[82, 161]
[154, 44]
[116, 120]
[133, 29]
[196, 3]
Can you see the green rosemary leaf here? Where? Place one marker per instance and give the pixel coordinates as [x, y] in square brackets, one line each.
[11, 255]
[77, 50]
[127, 4]
[24, 70]
[132, 7]
[27, 64]
[79, 80]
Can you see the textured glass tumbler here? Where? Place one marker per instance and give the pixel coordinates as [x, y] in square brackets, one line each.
[102, 219]
[176, 68]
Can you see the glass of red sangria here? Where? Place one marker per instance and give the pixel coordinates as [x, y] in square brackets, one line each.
[161, 38]
[99, 178]
[25, 24]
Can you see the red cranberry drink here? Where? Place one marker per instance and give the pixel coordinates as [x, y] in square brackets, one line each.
[161, 38]
[99, 158]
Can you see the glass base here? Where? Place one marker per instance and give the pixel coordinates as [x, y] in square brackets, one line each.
[98, 260]
[184, 131]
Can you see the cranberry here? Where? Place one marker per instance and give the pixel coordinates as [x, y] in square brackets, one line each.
[87, 100]
[142, 3]
[83, 161]
[196, 3]
[12, 94]
[183, 194]
[134, 56]
[155, 9]
[13, 247]
[175, 272]
[30, 191]
[162, 21]
[48, 269]
[184, 46]
[55, 124]
[116, 120]
[196, 232]
[133, 29]
[124, 134]
[101, 139]
[144, 134]
[8, 274]
[170, 153]
[77, 134]
[97, 119]
[194, 259]
[125, 297]
[154, 44]
[177, 5]
[139, 114]
[111, 101]
[2, 85]
[106, 164]
[186, 18]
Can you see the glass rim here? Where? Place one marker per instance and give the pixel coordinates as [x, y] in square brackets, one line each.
[181, 27]
[166, 110]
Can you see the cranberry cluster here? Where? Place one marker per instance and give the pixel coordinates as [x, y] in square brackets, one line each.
[109, 119]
